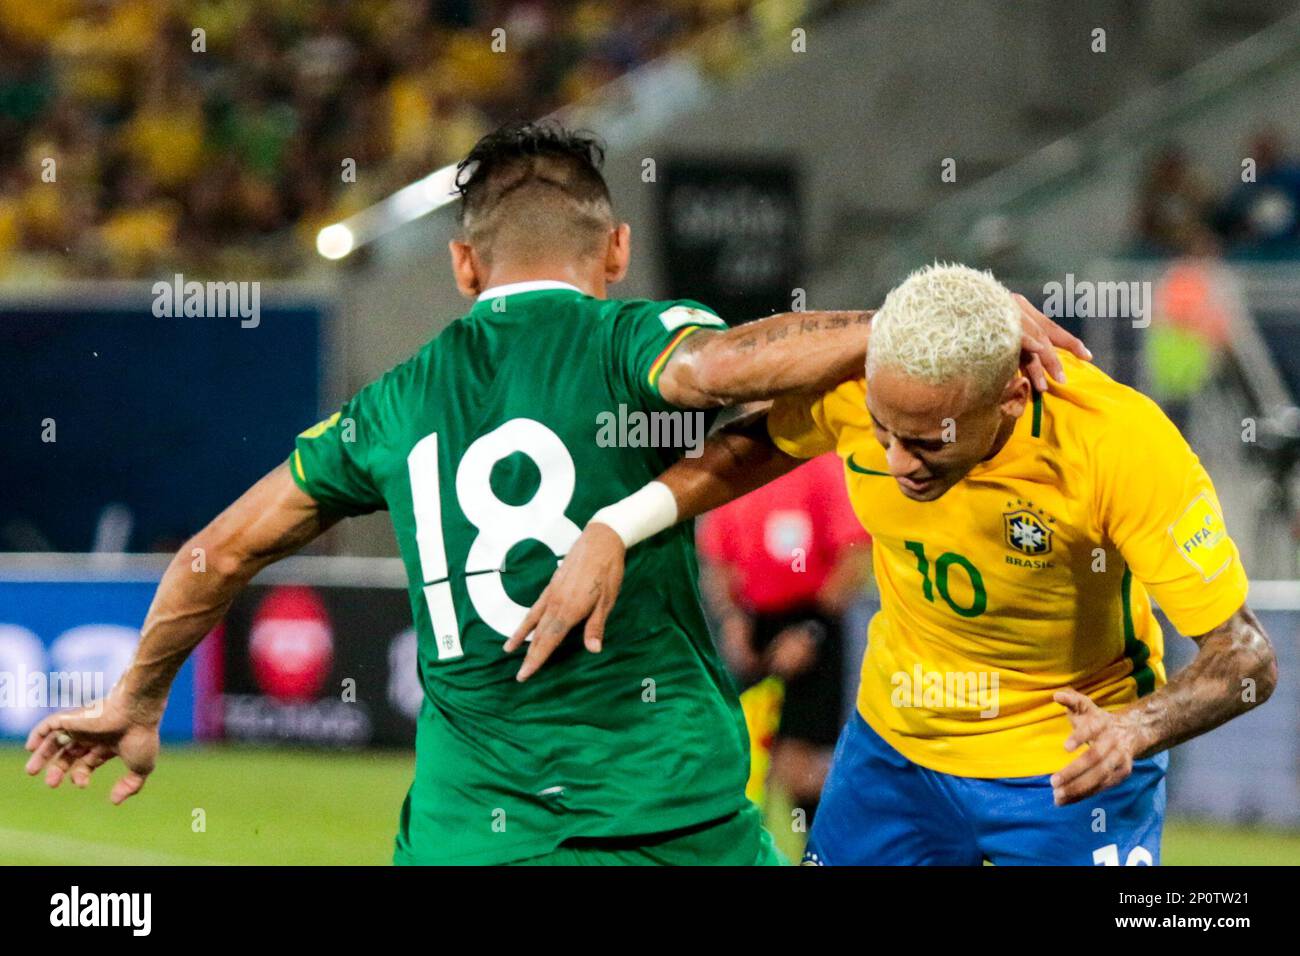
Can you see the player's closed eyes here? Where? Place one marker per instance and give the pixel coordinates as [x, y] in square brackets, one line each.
[913, 445]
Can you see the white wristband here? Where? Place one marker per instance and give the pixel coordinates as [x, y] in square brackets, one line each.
[640, 515]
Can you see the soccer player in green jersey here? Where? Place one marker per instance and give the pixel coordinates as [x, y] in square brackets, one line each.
[490, 448]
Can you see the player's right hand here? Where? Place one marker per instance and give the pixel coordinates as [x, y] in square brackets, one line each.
[1039, 339]
[584, 586]
[77, 742]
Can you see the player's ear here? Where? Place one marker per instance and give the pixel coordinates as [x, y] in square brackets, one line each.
[618, 252]
[464, 266]
[1016, 396]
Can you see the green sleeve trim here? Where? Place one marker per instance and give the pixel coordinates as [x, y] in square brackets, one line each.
[1135, 649]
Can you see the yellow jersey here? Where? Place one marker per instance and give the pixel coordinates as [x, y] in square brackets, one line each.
[1033, 573]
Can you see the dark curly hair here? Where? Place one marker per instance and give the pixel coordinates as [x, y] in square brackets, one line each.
[533, 179]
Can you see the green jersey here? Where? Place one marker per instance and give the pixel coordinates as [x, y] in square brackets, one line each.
[491, 448]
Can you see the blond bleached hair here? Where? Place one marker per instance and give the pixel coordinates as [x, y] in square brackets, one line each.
[948, 323]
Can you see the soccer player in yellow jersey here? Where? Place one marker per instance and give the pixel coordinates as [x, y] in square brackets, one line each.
[1014, 705]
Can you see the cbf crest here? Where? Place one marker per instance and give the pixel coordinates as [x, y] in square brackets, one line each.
[1027, 531]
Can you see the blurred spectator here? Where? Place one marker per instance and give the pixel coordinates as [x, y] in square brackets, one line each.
[1174, 205]
[1264, 215]
[168, 156]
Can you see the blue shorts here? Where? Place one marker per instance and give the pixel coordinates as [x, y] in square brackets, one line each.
[880, 809]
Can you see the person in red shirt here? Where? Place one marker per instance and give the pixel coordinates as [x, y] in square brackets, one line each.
[782, 565]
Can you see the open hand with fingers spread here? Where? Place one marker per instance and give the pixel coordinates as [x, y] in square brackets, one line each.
[77, 742]
[584, 588]
[1112, 748]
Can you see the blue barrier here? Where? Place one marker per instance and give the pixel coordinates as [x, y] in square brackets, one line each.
[63, 643]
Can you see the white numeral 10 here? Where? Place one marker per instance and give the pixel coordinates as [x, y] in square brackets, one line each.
[1109, 856]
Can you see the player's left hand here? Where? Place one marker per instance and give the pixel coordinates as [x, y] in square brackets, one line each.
[1039, 339]
[584, 586]
[1109, 757]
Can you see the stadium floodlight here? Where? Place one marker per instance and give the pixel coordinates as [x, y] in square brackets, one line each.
[335, 242]
[634, 100]
[657, 82]
[406, 205]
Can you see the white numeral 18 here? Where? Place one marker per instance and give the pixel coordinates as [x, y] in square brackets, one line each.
[500, 526]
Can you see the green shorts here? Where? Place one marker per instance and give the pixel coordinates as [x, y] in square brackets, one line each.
[737, 840]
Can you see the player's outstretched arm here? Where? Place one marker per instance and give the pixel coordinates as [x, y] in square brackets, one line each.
[734, 462]
[815, 351]
[272, 519]
[1235, 670]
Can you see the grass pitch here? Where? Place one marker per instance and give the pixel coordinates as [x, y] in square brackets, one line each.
[273, 806]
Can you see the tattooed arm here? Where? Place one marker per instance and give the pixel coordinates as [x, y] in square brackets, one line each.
[815, 351]
[1234, 671]
[790, 352]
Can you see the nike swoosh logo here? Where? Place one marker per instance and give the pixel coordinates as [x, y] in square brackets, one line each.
[854, 466]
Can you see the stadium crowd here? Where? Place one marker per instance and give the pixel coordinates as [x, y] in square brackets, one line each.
[224, 151]
[1180, 213]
